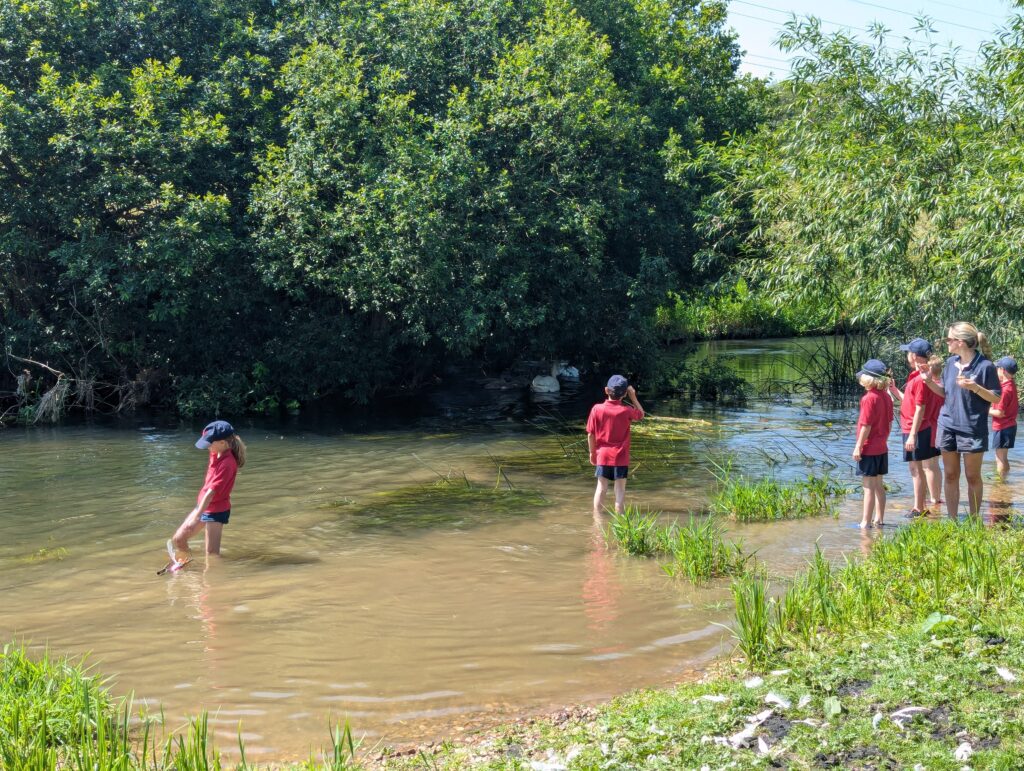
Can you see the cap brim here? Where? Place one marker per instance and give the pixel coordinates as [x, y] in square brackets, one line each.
[872, 374]
[202, 444]
[905, 348]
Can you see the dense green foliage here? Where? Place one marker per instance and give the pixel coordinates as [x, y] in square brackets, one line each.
[234, 204]
[886, 187]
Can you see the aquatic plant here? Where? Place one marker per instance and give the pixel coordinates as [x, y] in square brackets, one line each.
[707, 380]
[700, 552]
[768, 499]
[449, 500]
[636, 532]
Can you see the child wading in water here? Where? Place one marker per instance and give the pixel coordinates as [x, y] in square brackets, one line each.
[213, 504]
[919, 409]
[608, 429]
[871, 450]
[1004, 415]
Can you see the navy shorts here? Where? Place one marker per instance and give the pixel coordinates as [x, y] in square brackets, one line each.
[873, 465]
[1004, 438]
[612, 472]
[221, 516]
[951, 441]
[924, 449]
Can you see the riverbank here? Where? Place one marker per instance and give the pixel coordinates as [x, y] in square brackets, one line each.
[911, 656]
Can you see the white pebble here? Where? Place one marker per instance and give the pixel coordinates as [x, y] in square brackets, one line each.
[754, 682]
[876, 720]
[804, 701]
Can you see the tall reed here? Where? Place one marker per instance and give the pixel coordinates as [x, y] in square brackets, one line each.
[753, 619]
[700, 552]
[636, 532]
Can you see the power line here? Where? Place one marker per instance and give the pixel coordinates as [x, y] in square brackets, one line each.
[968, 10]
[914, 15]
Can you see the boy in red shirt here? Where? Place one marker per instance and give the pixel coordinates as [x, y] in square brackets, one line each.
[1004, 415]
[871, 450]
[608, 430]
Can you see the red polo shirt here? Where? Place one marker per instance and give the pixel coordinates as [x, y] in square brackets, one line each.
[875, 411]
[1009, 405]
[609, 422]
[220, 475]
[916, 392]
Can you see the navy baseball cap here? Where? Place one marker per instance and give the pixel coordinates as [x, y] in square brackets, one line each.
[617, 384]
[1008, 363]
[218, 429]
[873, 367]
[918, 345]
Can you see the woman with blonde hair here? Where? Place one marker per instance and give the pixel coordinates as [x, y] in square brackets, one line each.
[969, 387]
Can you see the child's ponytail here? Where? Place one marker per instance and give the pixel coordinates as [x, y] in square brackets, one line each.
[237, 449]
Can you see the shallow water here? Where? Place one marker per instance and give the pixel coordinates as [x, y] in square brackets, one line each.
[413, 632]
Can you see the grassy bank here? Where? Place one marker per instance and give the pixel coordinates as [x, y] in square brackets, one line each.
[914, 655]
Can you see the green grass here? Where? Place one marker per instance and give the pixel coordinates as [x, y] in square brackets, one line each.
[697, 551]
[768, 500]
[55, 715]
[933, 619]
[700, 552]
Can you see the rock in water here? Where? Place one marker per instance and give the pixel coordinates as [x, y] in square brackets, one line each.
[545, 384]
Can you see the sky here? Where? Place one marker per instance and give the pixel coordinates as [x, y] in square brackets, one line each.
[963, 23]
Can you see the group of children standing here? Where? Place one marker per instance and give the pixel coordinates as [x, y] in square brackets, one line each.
[944, 411]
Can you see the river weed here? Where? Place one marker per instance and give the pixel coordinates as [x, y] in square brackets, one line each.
[753, 619]
[636, 532]
[767, 499]
[699, 552]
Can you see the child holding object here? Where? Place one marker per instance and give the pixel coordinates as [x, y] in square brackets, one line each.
[871, 450]
[213, 504]
[1004, 415]
[919, 408]
[608, 430]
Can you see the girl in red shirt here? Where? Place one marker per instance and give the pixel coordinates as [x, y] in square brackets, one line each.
[213, 504]
[871, 450]
[1004, 415]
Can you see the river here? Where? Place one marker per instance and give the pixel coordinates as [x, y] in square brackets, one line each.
[412, 623]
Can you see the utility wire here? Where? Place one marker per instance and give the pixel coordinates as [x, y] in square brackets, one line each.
[915, 15]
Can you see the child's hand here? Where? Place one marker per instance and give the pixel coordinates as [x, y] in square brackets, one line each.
[593, 459]
[631, 392]
[856, 454]
[911, 443]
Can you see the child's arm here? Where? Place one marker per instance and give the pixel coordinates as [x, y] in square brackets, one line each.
[935, 388]
[911, 444]
[894, 391]
[201, 506]
[631, 395]
[592, 446]
[862, 437]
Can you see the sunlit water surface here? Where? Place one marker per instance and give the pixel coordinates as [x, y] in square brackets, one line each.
[410, 632]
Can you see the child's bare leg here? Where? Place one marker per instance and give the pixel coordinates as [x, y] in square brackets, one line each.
[932, 474]
[951, 481]
[186, 530]
[213, 533]
[869, 502]
[620, 495]
[1002, 462]
[917, 476]
[599, 493]
[975, 484]
[879, 499]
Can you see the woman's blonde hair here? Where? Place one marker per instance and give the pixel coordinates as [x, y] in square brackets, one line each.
[870, 381]
[237, 449]
[970, 335]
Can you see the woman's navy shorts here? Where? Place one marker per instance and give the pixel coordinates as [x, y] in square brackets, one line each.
[612, 472]
[952, 441]
[873, 465]
[220, 516]
[1004, 438]
[924, 449]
